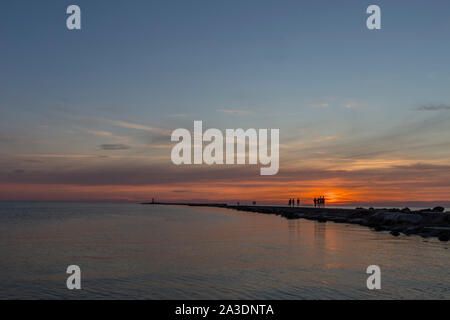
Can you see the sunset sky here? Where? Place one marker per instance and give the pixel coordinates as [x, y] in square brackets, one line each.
[364, 116]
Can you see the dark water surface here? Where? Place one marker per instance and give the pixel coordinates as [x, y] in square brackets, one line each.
[131, 251]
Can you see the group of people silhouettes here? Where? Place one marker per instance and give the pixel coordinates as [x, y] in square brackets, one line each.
[292, 202]
[319, 202]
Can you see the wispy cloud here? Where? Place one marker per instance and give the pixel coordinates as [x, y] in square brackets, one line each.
[334, 102]
[177, 115]
[326, 138]
[100, 133]
[137, 126]
[235, 112]
[319, 105]
[434, 107]
[120, 123]
[354, 104]
[106, 134]
[60, 156]
[114, 147]
[421, 174]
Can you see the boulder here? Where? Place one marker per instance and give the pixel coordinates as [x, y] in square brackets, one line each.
[390, 218]
[438, 209]
[413, 230]
[358, 221]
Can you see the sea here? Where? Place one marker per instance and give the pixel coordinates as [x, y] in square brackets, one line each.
[135, 251]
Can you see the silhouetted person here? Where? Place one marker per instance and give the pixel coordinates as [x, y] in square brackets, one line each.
[298, 202]
[321, 201]
[315, 202]
[289, 202]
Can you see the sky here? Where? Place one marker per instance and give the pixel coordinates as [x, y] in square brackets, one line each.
[86, 115]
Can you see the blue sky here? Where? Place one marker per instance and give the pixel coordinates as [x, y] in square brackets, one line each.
[310, 68]
[199, 56]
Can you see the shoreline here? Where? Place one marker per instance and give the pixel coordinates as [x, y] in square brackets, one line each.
[425, 223]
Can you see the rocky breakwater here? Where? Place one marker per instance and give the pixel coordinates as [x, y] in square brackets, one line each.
[426, 223]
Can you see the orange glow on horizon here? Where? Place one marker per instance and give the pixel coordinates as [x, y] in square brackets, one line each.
[275, 193]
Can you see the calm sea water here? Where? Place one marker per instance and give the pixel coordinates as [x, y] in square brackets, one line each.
[132, 251]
